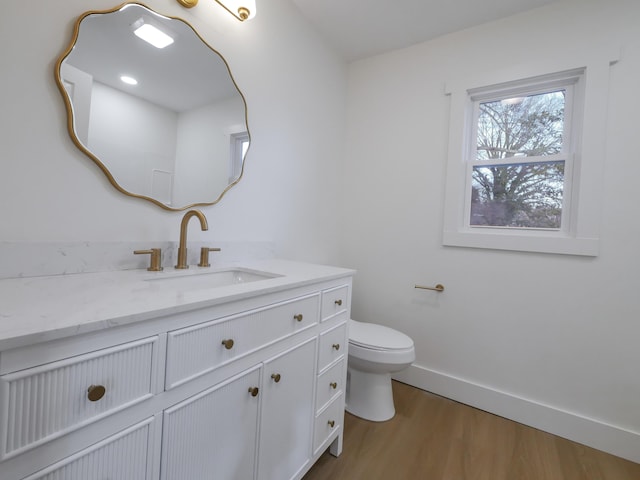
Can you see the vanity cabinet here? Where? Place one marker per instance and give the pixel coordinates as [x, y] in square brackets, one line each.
[221, 431]
[331, 371]
[252, 388]
[213, 434]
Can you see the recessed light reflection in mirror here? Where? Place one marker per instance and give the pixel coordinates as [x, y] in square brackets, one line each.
[152, 35]
[128, 80]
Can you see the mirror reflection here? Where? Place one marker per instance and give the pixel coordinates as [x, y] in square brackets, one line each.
[165, 122]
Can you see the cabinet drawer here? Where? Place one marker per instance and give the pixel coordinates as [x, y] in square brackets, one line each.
[199, 349]
[42, 403]
[333, 345]
[122, 456]
[330, 384]
[335, 301]
[328, 422]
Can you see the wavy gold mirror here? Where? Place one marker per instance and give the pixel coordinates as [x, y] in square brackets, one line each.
[165, 124]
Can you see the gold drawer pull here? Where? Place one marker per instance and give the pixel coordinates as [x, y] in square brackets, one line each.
[338, 302]
[336, 346]
[298, 317]
[96, 392]
[331, 423]
[333, 385]
[276, 377]
[228, 344]
[254, 391]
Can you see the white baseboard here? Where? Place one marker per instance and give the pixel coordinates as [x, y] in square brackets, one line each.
[587, 431]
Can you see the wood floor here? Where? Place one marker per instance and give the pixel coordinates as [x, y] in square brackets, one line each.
[433, 438]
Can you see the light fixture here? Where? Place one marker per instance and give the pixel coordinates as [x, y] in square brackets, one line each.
[128, 80]
[241, 9]
[152, 35]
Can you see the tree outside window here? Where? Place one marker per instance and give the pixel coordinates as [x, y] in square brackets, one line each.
[517, 177]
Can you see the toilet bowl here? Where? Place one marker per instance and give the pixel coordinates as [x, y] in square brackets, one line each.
[375, 352]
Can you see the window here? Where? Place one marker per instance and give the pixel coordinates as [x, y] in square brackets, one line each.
[521, 152]
[526, 157]
[238, 148]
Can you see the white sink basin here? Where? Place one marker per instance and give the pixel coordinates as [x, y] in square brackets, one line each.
[206, 280]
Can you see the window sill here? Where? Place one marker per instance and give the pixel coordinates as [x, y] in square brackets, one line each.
[522, 242]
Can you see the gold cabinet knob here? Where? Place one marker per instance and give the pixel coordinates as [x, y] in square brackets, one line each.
[333, 385]
[336, 346]
[96, 392]
[338, 302]
[228, 343]
[298, 317]
[276, 377]
[254, 391]
[331, 423]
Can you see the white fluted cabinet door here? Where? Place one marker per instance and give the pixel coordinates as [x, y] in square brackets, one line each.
[212, 435]
[125, 456]
[287, 413]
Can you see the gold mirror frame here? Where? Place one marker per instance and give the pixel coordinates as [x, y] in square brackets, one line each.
[71, 119]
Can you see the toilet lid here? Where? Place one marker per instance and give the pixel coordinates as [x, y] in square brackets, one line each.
[377, 337]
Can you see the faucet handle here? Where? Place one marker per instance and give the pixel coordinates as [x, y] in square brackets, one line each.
[156, 258]
[204, 256]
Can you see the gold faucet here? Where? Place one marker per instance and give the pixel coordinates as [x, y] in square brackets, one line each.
[182, 248]
[156, 258]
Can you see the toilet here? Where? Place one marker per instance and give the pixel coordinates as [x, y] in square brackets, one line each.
[375, 352]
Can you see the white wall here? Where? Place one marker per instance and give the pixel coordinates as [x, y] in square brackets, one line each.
[295, 89]
[146, 136]
[549, 340]
[204, 149]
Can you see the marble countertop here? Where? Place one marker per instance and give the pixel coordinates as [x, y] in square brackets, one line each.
[39, 309]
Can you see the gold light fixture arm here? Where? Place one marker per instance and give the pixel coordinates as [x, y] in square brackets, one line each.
[188, 3]
[241, 12]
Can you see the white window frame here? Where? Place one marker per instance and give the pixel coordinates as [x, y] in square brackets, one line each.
[237, 154]
[583, 152]
[571, 82]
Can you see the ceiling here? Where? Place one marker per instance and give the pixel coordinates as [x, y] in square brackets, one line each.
[363, 28]
[357, 29]
[185, 75]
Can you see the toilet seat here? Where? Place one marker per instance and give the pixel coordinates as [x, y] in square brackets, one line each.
[377, 337]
